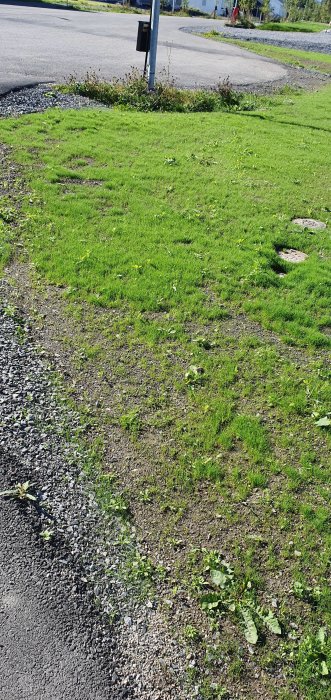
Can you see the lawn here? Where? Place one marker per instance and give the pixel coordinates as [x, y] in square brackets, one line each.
[159, 236]
[310, 60]
[294, 26]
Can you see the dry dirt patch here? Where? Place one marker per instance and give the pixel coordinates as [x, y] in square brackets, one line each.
[293, 256]
[309, 223]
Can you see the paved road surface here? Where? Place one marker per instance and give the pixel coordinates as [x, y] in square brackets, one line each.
[44, 645]
[39, 44]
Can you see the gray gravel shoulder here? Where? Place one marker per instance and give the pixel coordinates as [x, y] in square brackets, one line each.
[38, 98]
[297, 78]
[57, 598]
[319, 41]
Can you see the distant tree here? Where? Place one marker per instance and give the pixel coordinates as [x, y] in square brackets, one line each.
[325, 11]
[266, 10]
[247, 6]
[308, 10]
[292, 10]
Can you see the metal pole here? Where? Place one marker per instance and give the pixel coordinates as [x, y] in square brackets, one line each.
[147, 52]
[153, 47]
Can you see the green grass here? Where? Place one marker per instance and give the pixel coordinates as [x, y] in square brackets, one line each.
[166, 226]
[132, 229]
[310, 60]
[294, 26]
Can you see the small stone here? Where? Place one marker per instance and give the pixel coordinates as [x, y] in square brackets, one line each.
[128, 620]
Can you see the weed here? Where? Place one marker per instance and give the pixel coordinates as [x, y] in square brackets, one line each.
[139, 568]
[146, 495]
[131, 423]
[313, 664]
[112, 503]
[47, 535]
[213, 691]
[7, 214]
[194, 375]
[191, 634]
[21, 492]
[310, 594]
[236, 597]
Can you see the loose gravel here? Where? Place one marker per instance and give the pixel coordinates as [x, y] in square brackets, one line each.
[134, 654]
[319, 41]
[39, 98]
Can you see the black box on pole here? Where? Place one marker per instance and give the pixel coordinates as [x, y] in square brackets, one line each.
[143, 37]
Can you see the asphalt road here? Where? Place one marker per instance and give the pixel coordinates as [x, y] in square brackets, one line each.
[39, 44]
[44, 640]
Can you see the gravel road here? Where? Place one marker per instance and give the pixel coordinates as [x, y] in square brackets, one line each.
[314, 41]
[57, 597]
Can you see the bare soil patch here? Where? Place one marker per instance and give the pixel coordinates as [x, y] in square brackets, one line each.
[293, 256]
[309, 223]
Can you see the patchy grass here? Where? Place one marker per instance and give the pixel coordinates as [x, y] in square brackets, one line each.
[170, 312]
[310, 60]
[10, 198]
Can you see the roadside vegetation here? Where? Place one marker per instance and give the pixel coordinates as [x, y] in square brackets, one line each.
[294, 26]
[205, 355]
[119, 7]
[92, 6]
[132, 92]
[311, 60]
[301, 15]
